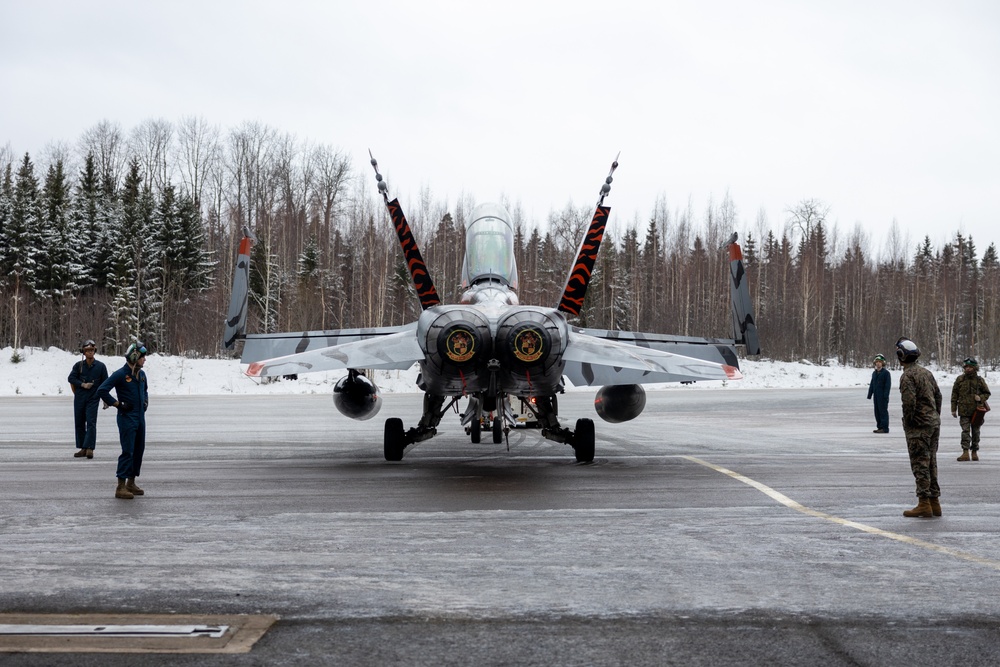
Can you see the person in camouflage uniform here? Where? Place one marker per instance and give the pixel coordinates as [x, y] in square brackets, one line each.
[922, 426]
[970, 392]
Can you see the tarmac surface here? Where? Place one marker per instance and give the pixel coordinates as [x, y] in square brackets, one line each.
[718, 528]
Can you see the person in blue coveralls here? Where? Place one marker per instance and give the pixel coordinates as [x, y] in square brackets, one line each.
[878, 389]
[87, 375]
[132, 399]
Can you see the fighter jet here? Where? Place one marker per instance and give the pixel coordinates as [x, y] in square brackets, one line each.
[489, 348]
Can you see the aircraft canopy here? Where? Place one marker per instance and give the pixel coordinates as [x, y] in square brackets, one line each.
[489, 246]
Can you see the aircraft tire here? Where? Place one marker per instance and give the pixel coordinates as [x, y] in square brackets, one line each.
[497, 430]
[476, 431]
[583, 440]
[395, 439]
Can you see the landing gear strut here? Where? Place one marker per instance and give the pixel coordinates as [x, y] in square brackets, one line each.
[581, 439]
[397, 438]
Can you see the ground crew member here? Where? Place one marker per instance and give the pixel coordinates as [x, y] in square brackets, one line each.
[879, 388]
[970, 392]
[922, 426]
[86, 376]
[129, 383]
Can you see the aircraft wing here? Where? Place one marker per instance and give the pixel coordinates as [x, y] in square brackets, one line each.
[593, 361]
[396, 351]
[258, 347]
[717, 350]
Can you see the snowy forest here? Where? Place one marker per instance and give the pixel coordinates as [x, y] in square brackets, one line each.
[129, 235]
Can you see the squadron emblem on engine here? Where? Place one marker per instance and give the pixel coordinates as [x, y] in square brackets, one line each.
[528, 346]
[460, 346]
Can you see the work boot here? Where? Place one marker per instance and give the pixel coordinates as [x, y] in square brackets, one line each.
[935, 506]
[80, 453]
[90, 453]
[975, 455]
[964, 456]
[122, 491]
[922, 510]
[130, 485]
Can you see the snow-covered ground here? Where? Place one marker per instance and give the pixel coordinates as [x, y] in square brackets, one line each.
[44, 372]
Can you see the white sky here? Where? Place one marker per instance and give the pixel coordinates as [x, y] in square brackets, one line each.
[882, 110]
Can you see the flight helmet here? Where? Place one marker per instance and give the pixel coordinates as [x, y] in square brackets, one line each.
[134, 351]
[969, 361]
[907, 351]
[879, 357]
[88, 343]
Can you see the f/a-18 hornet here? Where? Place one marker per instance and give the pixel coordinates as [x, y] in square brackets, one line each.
[488, 348]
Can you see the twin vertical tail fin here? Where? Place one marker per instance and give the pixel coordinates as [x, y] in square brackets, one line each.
[744, 326]
[236, 319]
[580, 274]
[411, 252]
[571, 302]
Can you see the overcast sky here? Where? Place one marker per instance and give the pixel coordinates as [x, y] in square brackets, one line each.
[882, 110]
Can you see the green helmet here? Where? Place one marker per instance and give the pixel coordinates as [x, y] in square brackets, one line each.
[969, 361]
[134, 351]
[879, 357]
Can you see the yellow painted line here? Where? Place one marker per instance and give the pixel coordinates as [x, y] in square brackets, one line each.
[798, 507]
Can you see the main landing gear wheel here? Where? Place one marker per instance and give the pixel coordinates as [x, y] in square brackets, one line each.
[476, 430]
[497, 430]
[395, 439]
[583, 440]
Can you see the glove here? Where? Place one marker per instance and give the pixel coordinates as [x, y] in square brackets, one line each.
[123, 406]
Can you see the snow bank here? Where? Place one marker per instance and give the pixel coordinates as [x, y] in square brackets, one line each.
[44, 373]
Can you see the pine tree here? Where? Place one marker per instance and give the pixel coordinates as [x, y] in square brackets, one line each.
[160, 260]
[6, 210]
[84, 213]
[22, 242]
[22, 232]
[110, 215]
[61, 237]
[127, 240]
[990, 259]
[195, 263]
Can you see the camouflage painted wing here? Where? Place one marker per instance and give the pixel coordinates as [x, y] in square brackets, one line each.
[593, 361]
[396, 351]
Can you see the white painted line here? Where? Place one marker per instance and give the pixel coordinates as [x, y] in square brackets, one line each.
[788, 502]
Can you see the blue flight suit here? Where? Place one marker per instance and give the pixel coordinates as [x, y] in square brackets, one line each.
[879, 389]
[130, 388]
[85, 401]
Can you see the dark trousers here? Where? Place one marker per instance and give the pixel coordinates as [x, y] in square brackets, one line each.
[881, 413]
[85, 419]
[133, 438]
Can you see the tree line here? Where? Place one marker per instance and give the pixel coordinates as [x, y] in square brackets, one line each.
[133, 235]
